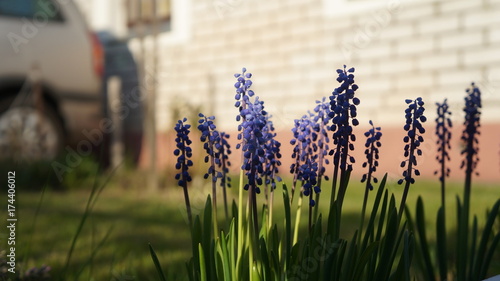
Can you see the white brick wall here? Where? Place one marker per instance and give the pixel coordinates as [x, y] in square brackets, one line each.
[414, 81]
[416, 45]
[439, 61]
[397, 66]
[456, 6]
[440, 24]
[414, 11]
[490, 54]
[454, 77]
[494, 34]
[431, 49]
[396, 31]
[484, 17]
[449, 41]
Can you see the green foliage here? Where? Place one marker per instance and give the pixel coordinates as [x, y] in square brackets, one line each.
[383, 252]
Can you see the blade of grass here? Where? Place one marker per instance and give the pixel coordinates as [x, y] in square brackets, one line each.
[424, 245]
[94, 252]
[33, 226]
[94, 194]
[288, 228]
[157, 263]
[203, 271]
[481, 253]
[441, 244]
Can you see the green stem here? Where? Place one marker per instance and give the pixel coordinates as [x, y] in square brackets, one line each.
[240, 224]
[363, 210]
[297, 220]
[334, 182]
[270, 208]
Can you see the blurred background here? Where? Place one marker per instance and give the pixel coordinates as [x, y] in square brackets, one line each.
[104, 82]
[400, 49]
[170, 59]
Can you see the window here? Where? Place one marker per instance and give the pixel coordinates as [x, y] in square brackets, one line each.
[31, 9]
[143, 12]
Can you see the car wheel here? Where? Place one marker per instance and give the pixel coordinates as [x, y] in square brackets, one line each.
[27, 134]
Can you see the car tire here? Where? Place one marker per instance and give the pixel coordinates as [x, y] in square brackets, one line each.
[27, 134]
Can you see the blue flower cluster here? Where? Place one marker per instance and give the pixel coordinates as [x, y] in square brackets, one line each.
[211, 143]
[443, 125]
[372, 145]
[183, 152]
[414, 115]
[305, 168]
[343, 109]
[224, 150]
[322, 118]
[272, 156]
[472, 124]
[243, 92]
[261, 152]
[255, 138]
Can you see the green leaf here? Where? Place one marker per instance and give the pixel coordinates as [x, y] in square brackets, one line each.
[288, 228]
[389, 245]
[203, 271]
[190, 269]
[266, 266]
[157, 263]
[196, 238]
[383, 212]
[232, 249]
[207, 236]
[226, 262]
[424, 245]
[441, 244]
[363, 259]
[351, 258]
[374, 213]
[472, 253]
[480, 269]
[489, 256]
[255, 272]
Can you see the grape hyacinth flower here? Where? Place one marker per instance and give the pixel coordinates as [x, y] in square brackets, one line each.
[255, 136]
[243, 93]
[343, 114]
[443, 132]
[305, 168]
[469, 137]
[305, 153]
[414, 115]
[373, 136]
[372, 145]
[322, 119]
[223, 152]
[471, 131]
[254, 141]
[183, 153]
[210, 138]
[212, 144]
[271, 167]
[272, 156]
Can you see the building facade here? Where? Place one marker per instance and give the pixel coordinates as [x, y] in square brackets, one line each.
[400, 48]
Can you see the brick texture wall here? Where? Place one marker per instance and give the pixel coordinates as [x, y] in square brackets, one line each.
[401, 49]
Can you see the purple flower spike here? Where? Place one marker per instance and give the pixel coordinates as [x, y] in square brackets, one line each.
[414, 115]
[372, 145]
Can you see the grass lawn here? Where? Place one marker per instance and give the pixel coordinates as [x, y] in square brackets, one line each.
[135, 217]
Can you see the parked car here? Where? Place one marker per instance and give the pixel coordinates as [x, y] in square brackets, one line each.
[51, 77]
